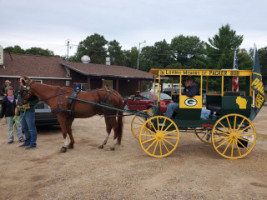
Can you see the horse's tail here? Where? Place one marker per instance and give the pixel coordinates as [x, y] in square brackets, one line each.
[120, 125]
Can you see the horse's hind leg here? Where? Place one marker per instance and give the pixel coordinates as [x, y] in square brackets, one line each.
[62, 123]
[71, 144]
[108, 129]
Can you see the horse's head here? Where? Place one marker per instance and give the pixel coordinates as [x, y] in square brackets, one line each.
[25, 85]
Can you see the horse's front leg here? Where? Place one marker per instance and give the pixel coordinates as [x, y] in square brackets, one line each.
[114, 125]
[63, 126]
[66, 143]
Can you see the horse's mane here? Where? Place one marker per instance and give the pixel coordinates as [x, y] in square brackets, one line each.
[54, 86]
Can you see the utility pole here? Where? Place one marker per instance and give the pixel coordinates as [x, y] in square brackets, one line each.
[68, 49]
[139, 53]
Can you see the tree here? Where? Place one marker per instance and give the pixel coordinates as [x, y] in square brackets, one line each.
[221, 47]
[157, 56]
[186, 49]
[15, 49]
[39, 51]
[244, 60]
[116, 54]
[131, 57]
[263, 62]
[94, 47]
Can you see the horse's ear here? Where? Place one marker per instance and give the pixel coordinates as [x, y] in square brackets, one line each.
[23, 81]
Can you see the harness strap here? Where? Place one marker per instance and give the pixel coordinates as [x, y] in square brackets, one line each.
[107, 97]
[60, 106]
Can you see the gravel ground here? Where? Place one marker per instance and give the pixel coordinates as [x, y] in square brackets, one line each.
[193, 171]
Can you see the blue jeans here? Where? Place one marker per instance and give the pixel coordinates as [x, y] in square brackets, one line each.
[29, 128]
[10, 123]
[171, 107]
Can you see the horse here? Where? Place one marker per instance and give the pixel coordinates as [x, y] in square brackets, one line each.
[66, 109]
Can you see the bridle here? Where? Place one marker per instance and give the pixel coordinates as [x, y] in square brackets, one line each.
[26, 89]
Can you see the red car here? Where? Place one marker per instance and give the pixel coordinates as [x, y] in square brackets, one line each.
[145, 101]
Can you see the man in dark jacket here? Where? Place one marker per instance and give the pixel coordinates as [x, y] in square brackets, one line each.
[191, 89]
[27, 114]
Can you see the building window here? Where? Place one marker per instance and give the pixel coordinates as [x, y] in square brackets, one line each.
[109, 83]
[38, 81]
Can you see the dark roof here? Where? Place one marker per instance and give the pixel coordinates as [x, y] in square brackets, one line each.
[90, 69]
[32, 66]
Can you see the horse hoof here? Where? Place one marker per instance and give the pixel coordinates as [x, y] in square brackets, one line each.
[101, 146]
[112, 148]
[70, 146]
[63, 149]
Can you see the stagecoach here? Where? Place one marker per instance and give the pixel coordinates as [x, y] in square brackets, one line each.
[228, 125]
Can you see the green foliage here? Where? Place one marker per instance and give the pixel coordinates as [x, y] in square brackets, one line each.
[263, 62]
[94, 47]
[176, 65]
[39, 51]
[244, 60]
[15, 49]
[186, 49]
[157, 56]
[116, 54]
[221, 47]
[33, 51]
[131, 57]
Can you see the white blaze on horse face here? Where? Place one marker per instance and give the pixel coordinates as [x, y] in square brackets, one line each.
[66, 141]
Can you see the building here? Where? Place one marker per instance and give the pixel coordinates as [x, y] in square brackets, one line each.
[55, 71]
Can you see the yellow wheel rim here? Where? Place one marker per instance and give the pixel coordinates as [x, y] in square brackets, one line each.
[204, 135]
[137, 123]
[159, 136]
[236, 135]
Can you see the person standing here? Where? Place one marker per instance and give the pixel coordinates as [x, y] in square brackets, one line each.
[8, 111]
[27, 114]
[7, 83]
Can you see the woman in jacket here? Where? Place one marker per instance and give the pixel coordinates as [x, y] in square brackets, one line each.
[8, 111]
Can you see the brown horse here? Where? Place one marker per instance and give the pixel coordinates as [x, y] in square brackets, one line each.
[57, 98]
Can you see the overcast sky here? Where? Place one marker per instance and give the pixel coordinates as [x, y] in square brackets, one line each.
[49, 23]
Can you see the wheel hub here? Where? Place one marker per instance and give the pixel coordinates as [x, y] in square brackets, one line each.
[159, 136]
[233, 136]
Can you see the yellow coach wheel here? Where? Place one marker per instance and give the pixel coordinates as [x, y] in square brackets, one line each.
[159, 136]
[137, 123]
[236, 135]
[204, 135]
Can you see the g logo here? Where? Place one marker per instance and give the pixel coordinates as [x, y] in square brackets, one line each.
[190, 102]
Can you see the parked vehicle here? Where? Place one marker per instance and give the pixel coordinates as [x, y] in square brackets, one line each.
[145, 101]
[44, 116]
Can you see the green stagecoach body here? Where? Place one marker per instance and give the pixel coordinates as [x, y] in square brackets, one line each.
[221, 103]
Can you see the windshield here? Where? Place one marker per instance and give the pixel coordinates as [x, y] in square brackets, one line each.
[164, 96]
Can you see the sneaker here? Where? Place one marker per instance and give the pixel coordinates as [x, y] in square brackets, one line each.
[29, 147]
[21, 140]
[23, 145]
[10, 141]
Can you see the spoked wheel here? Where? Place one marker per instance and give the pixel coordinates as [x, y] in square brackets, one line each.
[137, 123]
[159, 136]
[204, 135]
[236, 135]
